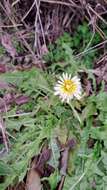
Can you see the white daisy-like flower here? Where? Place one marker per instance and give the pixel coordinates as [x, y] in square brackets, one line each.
[67, 88]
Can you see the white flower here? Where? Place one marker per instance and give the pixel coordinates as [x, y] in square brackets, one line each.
[67, 88]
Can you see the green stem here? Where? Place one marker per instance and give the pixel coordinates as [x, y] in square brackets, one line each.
[75, 113]
[78, 181]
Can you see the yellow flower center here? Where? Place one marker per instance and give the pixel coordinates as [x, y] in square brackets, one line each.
[69, 86]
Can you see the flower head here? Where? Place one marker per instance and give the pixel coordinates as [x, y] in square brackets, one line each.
[67, 88]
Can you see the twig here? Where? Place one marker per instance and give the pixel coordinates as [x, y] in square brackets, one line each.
[10, 26]
[38, 18]
[37, 44]
[61, 183]
[59, 2]
[94, 23]
[14, 3]
[102, 58]
[100, 17]
[15, 25]
[72, 2]
[101, 33]
[23, 18]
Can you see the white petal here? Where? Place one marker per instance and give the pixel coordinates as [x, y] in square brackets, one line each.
[65, 76]
[78, 91]
[76, 79]
[57, 86]
[61, 78]
[77, 96]
[79, 87]
[60, 82]
[56, 93]
[69, 76]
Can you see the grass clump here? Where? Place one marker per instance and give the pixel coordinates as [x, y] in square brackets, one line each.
[81, 41]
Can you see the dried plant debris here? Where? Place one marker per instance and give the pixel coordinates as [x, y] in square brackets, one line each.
[38, 23]
[33, 179]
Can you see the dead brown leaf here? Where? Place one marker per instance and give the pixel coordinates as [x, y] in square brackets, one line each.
[10, 98]
[70, 145]
[33, 179]
[41, 165]
[22, 100]
[2, 68]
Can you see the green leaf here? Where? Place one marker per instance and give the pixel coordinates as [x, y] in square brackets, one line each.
[54, 179]
[5, 169]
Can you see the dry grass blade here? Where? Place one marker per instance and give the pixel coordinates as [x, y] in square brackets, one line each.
[28, 12]
[98, 46]
[97, 28]
[15, 25]
[100, 17]
[10, 26]
[14, 3]
[38, 21]
[72, 4]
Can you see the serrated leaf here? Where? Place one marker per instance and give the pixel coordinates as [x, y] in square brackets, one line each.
[5, 169]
